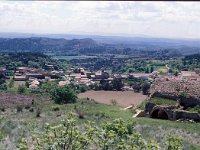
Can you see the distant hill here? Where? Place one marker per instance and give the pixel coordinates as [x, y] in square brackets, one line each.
[43, 44]
[71, 44]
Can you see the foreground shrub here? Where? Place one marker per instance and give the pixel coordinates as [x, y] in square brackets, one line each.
[55, 108]
[38, 112]
[113, 102]
[19, 108]
[3, 109]
[115, 135]
[174, 143]
[22, 89]
[62, 95]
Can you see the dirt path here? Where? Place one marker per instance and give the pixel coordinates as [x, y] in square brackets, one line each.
[123, 98]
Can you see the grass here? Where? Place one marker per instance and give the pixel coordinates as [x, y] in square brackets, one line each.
[189, 127]
[15, 86]
[159, 129]
[194, 109]
[162, 101]
[142, 105]
[73, 57]
[15, 125]
[162, 69]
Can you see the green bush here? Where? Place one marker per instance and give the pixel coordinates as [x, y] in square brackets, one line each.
[55, 108]
[1, 135]
[38, 112]
[22, 89]
[11, 83]
[19, 108]
[3, 87]
[63, 95]
[48, 86]
[145, 88]
[174, 143]
[116, 135]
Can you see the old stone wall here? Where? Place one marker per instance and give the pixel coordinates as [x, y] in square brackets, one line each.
[169, 112]
[187, 115]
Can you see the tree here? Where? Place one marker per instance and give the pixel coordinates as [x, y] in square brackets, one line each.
[136, 87]
[63, 95]
[152, 69]
[82, 88]
[130, 70]
[27, 83]
[176, 73]
[77, 70]
[48, 86]
[105, 85]
[11, 83]
[145, 88]
[2, 78]
[22, 89]
[117, 84]
[147, 70]
[3, 85]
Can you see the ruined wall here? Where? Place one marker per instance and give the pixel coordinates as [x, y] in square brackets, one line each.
[187, 115]
[169, 112]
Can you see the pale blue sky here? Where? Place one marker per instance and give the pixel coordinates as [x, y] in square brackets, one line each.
[155, 19]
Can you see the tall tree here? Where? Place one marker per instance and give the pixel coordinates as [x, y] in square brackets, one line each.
[152, 69]
[117, 84]
[147, 70]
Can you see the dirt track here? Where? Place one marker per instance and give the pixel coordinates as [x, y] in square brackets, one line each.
[123, 98]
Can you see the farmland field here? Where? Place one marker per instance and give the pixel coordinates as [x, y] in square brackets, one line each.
[73, 57]
[123, 98]
[162, 69]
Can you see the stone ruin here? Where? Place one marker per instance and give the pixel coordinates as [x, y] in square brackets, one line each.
[185, 92]
[169, 113]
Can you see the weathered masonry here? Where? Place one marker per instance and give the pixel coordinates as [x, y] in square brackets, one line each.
[169, 112]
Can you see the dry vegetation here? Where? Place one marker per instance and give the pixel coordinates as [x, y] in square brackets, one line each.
[11, 100]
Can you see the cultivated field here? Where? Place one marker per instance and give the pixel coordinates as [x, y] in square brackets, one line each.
[123, 98]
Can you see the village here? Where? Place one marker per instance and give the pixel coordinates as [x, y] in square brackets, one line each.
[82, 76]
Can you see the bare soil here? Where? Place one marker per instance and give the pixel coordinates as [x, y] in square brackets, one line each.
[123, 98]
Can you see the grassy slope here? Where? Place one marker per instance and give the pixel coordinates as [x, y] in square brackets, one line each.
[15, 125]
[162, 101]
[159, 129]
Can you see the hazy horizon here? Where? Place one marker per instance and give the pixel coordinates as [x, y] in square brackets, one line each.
[145, 19]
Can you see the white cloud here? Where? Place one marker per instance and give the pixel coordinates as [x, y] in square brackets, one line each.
[174, 19]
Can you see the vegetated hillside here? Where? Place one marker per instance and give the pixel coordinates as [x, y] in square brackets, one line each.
[39, 44]
[88, 46]
[34, 60]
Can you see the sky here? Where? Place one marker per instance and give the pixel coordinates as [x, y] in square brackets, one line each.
[131, 18]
